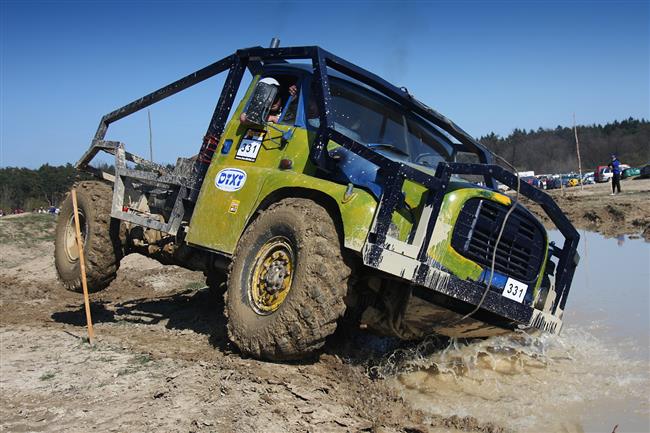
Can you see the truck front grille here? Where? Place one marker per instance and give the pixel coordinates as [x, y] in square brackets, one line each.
[522, 246]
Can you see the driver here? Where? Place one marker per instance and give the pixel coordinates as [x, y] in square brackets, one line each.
[276, 108]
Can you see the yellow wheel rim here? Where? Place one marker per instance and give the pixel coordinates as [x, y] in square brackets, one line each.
[272, 275]
[70, 238]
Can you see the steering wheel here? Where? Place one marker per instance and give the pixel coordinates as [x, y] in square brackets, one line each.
[419, 159]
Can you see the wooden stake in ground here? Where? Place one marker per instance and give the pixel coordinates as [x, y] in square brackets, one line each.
[82, 267]
[575, 132]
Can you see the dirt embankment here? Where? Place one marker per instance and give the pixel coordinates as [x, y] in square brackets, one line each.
[162, 361]
[593, 208]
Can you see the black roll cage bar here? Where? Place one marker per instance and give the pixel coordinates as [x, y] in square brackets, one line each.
[189, 181]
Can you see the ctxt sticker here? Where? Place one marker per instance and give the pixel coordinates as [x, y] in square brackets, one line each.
[230, 179]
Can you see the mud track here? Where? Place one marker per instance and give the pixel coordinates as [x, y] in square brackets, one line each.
[594, 209]
[162, 361]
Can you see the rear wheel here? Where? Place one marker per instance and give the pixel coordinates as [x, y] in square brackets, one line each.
[100, 234]
[287, 283]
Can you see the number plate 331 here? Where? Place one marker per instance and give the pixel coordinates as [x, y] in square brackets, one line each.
[515, 290]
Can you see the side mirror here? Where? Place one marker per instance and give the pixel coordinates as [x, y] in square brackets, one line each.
[260, 104]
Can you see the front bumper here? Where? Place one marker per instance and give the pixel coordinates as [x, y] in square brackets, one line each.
[457, 295]
[497, 313]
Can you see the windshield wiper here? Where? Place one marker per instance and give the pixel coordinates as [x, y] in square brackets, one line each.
[387, 146]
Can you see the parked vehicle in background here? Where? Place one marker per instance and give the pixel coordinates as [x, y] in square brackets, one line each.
[543, 180]
[554, 183]
[588, 178]
[645, 171]
[630, 172]
[564, 178]
[532, 180]
[603, 174]
[526, 173]
[573, 181]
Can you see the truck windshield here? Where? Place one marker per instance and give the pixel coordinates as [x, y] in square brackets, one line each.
[378, 122]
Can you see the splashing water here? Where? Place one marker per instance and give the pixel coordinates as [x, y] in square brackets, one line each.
[525, 382]
[595, 375]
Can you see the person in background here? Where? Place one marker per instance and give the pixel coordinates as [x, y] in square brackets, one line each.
[616, 175]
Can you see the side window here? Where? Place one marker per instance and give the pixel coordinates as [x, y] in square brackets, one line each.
[291, 109]
[288, 98]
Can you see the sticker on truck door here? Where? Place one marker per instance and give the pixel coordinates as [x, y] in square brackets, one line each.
[515, 290]
[230, 179]
[250, 145]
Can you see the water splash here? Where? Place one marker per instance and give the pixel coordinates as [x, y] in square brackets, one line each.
[529, 382]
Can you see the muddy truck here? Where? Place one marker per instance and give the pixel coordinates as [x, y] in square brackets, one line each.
[326, 192]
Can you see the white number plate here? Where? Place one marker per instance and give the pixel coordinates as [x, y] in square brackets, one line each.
[515, 290]
[250, 146]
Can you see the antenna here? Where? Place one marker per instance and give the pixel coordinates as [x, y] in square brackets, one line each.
[150, 136]
[275, 43]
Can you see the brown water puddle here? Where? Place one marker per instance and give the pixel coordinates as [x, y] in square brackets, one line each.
[595, 375]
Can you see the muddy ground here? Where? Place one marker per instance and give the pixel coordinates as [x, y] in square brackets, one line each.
[162, 361]
[594, 209]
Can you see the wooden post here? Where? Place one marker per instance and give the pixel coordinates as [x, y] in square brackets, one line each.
[575, 132]
[82, 266]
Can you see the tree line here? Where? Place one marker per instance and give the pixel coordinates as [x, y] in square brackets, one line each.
[554, 150]
[27, 189]
[543, 150]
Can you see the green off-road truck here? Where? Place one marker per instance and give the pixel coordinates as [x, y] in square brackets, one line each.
[325, 192]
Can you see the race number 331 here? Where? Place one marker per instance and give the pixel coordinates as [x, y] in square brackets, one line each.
[250, 146]
[515, 290]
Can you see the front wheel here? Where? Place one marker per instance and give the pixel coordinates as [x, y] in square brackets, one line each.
[288, 281]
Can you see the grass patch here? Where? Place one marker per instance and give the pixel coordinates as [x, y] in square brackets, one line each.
[125, 371]
[194, 285]
[142, 359]
[47, 376]
[138, 362]
[106, 359]
[28, 229]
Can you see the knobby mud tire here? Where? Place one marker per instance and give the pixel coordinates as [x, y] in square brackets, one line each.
[316, 299]
[102, 247]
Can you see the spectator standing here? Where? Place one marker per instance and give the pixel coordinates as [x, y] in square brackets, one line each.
[616, 175]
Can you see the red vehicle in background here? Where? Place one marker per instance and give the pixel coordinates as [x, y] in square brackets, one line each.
[603, 173]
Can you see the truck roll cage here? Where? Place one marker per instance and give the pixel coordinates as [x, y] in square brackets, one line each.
[186, 178]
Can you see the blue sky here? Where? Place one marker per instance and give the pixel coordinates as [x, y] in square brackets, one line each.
[489, 66]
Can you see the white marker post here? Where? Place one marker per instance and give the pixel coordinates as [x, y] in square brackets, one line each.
[82, 266]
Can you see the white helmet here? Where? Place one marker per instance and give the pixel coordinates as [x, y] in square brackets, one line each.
[271, 81]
